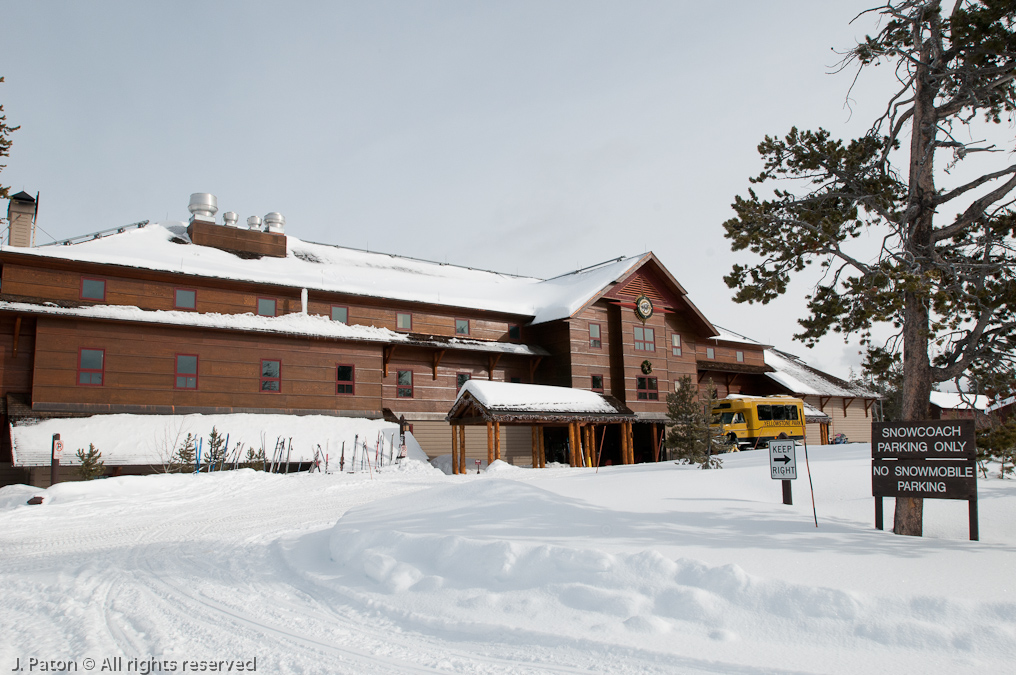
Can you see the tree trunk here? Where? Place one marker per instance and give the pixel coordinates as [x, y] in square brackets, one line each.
[917, 375]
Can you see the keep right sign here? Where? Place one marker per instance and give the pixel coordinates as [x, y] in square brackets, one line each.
[782, 460]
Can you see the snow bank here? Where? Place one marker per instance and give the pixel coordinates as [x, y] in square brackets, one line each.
[149, 440]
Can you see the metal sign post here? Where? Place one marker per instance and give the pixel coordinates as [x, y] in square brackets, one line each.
[783, 466]
[934, 459]
[54, 462]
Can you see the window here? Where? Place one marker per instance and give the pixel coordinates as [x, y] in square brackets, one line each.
[344, 374]
[271, 375]
[597, 383]
[792, 412]
[404, 321]
[514, 332]
[90, 366]
[645, 339]
[462, 326]
[710, 353]
[266, 306]
[675, 344]
[340, 314]
[594, 336]
[186, 371]
[647, 389]
[765, 413]
[93, 289]
[740, 357]
[185, 298]
[461, 379]
[405, 384]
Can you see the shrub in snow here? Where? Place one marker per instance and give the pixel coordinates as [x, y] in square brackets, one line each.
[216, 449]
[997, 442]
[183, 459]
[92, 465]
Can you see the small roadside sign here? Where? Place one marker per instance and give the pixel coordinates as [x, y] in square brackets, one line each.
[58, 448]
[782, 460]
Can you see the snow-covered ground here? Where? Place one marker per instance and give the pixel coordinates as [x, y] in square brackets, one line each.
[632, 569]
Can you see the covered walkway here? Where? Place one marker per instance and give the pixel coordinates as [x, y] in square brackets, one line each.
[584, 414]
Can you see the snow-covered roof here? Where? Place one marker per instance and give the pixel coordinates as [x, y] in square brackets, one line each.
[288, 324]
[1001, 404]
[952, 400]
[537, 397]
[727, 335]
[166, 247]
[516, 398]
[149, 440]
[803, 380]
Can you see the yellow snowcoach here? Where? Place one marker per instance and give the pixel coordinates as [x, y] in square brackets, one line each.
[752, 421]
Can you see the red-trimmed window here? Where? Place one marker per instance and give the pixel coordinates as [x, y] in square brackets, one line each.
[185, 298]
[647, 389]
[93, 289]
[91, 367]
[186, 371]
[462, 326]
[675, 344]
[594, 336]
[461, 379]
[345, 378]
[340, 314]
[645, 339]
[514, 331]
[404, 382]
[597, 383]
[266, 306]
[403, 321]
[271, 375]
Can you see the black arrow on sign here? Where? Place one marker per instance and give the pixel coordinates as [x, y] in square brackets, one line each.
[784, 459]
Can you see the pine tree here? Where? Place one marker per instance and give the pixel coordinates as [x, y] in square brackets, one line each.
[997, 442]
[255, 460]
[216, 448]
[5, 144]
[690, 438]
[943, 273]
[91, 466]
[183, 459]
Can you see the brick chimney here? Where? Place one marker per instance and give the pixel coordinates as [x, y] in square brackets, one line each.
[21, 212]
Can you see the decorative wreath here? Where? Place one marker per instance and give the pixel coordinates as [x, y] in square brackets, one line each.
[647, 367]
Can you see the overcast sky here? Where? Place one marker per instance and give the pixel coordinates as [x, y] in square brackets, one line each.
[524, 137]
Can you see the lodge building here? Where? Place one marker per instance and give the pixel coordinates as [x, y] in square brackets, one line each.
[212, 317]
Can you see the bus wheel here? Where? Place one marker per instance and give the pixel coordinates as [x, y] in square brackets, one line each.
[732, 439]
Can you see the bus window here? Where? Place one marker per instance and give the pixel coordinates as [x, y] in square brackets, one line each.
[792, 412]
[765, 413]
[780, 412]
[738, 418]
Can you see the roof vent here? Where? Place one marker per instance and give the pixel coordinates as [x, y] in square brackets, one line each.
[275, 222]
[229, 219]
[203, 206]
[254, 223]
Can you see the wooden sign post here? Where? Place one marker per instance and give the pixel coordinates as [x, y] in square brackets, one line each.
[783, 466]
[934, 459]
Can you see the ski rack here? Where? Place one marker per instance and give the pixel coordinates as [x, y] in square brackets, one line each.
[96, 235]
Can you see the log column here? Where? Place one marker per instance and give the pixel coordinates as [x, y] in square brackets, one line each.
[541, 447]
[536, 448]
[631, 443]
[497, 440]
[455, 450]
[490, 443]
[462, 449]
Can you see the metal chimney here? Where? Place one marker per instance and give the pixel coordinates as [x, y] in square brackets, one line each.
[229, 219]
[254, 223]
[203, 206]
[275, 222]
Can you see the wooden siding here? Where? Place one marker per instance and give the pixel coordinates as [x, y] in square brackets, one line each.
[852, 422]
[16, 370]
[140, 368]
[436, 395]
